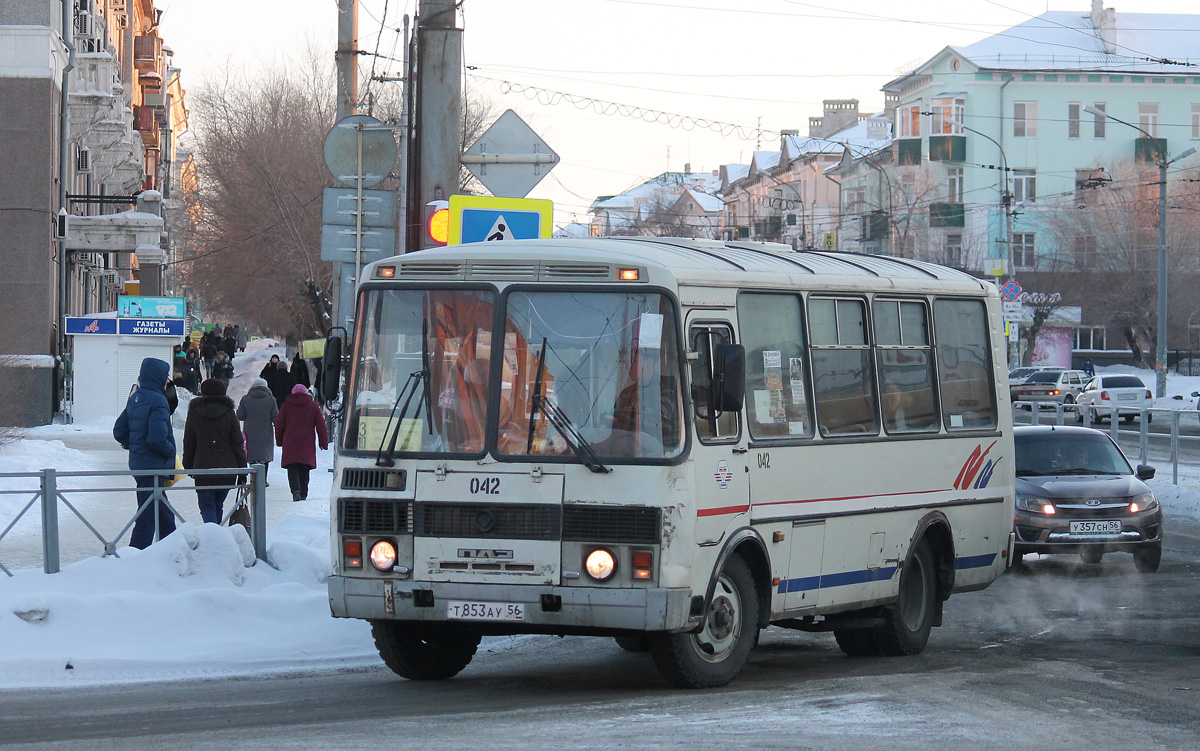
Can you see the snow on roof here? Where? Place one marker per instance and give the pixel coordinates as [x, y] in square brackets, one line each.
[709, 203]
[1065, 40]
[764, 160]
[669, 182]
[731, 173]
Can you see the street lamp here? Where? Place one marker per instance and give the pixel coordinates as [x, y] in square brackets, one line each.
[1160, 356]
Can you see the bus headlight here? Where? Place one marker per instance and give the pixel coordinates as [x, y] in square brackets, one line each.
[383, 555]
[600, 564]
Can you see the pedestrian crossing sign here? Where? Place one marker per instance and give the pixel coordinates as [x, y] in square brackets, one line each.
[489, 219]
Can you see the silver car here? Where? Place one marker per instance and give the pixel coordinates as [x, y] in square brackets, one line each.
[1127, 393]
[1076, 493]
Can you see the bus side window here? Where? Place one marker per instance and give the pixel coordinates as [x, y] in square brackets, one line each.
[964, 364]
[842, 368]
[905, 360]
[777, 399]
[709, 428]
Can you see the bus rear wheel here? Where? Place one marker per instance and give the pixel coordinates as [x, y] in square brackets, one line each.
[907, 623]
[638, 643]
[717, 653]
[856, 642]
[421, 652]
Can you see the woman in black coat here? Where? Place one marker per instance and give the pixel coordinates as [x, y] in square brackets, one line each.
[212, 439]
[300, 371]
[278, 379]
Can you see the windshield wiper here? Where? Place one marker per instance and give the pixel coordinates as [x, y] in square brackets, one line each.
[559, 420]
[1029, 473]
[390, 434]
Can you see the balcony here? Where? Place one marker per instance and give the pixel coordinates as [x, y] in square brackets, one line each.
[947, 148]
[908, 151]
[143, 118]
[1149, 149]
[947, 215]
[147, 51]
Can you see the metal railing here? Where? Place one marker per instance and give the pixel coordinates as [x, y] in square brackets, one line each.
[1087, 415]
[51, 495]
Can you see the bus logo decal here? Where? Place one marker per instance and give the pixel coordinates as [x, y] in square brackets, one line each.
[723, 474]
[972, 467]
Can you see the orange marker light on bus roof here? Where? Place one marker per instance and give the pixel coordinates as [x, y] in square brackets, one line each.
[386, 272]
[627, 275]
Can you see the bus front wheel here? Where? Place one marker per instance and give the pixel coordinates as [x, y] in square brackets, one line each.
[422, 652]
[717, 653]
[907, 623]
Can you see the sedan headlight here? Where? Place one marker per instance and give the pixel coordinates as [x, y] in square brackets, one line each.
[1143, 502]
[1034, 505]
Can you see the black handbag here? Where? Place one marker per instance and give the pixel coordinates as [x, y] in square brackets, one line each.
[241, 509]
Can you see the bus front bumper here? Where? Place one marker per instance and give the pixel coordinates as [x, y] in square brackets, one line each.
[547, 608]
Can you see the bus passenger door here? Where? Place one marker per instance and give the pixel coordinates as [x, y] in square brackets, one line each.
[719, 453]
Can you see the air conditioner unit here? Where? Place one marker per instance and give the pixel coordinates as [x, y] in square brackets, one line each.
[83, 25]
[110, 277]
[83, 160]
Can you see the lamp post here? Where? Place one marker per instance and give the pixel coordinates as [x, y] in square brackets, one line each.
[1160, 356]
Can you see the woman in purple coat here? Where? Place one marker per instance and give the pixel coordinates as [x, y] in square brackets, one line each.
[298, 428]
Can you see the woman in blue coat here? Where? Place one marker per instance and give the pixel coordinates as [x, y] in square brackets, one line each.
[144, 429]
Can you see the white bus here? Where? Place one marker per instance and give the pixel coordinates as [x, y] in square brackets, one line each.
[672, 442]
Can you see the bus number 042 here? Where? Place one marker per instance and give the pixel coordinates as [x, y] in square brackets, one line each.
[485, 485]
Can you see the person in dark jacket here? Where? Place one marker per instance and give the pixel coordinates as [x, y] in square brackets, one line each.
[222, 369]
[144, 429]
[299, 371]
[212, 439]
[300, 422]
[257, 411]
[278, 379]
[191, 375]
[208, 353]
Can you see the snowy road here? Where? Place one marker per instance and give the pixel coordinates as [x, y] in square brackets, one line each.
[1065, 656]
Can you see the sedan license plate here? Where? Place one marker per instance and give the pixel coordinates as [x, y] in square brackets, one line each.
[1094, 528]
[1127, 397]
[486, 611]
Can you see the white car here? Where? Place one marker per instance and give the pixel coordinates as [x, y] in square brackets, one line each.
[1125, 392]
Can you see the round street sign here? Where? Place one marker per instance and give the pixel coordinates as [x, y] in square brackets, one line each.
[1010, 290]
[378, 151]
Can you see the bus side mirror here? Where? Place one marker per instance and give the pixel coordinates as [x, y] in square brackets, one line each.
[729, 378]
[331, 368]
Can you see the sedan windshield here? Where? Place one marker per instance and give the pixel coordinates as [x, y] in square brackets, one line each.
[1069, 454]
[1044, 376]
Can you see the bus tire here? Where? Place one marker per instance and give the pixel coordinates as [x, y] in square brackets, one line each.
[422, 652]
[857, 642]
[717, 653]
[639, 643]
[907, 623]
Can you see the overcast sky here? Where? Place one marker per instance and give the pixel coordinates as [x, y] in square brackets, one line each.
[768, 62]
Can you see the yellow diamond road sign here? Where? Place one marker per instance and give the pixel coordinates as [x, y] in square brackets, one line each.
[486, 218]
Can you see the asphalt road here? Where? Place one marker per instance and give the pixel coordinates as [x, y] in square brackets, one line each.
[1063, 656]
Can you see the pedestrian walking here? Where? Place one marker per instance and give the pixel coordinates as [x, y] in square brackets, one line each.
[212, 439]
[298, 428]
[223, 368]
[275, 373]
[208, 353]
[191, 375]
[299, 371]
[144, 430]
[257, 411]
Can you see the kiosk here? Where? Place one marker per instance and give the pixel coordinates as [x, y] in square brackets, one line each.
[108, 356]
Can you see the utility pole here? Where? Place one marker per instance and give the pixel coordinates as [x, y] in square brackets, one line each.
[347, 58]
[436, 145]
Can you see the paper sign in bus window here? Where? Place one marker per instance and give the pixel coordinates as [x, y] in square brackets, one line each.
[650, 328]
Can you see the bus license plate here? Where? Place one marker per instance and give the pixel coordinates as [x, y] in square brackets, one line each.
[485, 611]
[1091, 528]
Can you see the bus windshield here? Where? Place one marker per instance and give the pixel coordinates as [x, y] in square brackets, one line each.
[587, 375]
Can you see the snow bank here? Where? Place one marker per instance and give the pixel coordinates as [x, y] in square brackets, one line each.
[187, 607]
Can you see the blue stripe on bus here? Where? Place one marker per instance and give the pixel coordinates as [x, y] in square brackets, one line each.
[975, 561]
[828, 581]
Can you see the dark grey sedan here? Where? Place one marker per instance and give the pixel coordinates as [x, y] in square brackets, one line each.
[1076, 493]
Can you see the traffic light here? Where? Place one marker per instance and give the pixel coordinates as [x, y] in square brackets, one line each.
[437, 223]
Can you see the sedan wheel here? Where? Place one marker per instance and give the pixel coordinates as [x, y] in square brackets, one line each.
[1091, 555]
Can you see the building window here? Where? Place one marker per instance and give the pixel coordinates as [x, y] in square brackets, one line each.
[1074, 112]
[908, 120]
[1148, 118]
[954, 185]
[854, 201]
[948, 115]
[1023, 250]
[1025, 119]
[1090, 337]
[952, 251]
[1196, 121]
[1100, 121]
[1085, 251]
[1024, 185]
